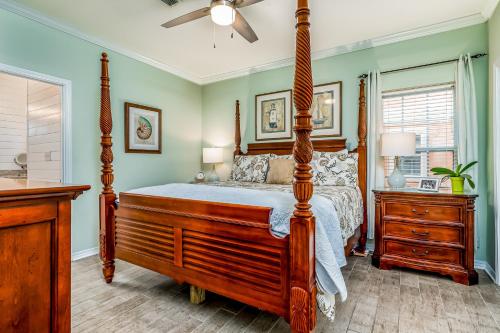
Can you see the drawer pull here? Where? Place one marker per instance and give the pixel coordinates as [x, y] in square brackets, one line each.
[420, 214]
[423, 254]
[425, 233]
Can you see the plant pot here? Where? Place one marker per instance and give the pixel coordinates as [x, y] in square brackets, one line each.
[457, 184]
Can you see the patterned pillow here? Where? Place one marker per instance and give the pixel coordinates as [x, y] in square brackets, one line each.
[250, 168]
[277, 157]
[339, 168]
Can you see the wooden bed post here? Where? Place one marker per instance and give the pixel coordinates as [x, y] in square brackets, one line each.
[107, 197]
[237, 131]
[362, 165]
[302, 224]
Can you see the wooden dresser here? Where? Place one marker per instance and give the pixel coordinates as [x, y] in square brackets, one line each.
[425, 231]
[35, 255]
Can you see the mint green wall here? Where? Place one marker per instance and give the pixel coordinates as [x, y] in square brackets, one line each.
[494, 56]
[29, 45]
[219, 98]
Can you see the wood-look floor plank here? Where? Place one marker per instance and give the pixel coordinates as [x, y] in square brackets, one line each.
[478, 311]
[142, 301]
[456, 312]
[241, 321]
[215, 322]
[387, 315]
[282, 326]
[262, 323]
[410, 319]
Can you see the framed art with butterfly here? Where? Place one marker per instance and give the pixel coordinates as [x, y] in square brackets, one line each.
[142, 129]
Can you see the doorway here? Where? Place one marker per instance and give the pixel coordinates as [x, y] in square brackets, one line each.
[35, 141]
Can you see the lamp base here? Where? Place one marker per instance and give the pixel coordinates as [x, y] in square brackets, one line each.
[396, 179]
[212, 176]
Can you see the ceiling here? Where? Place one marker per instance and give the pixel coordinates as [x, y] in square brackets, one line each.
[133, 27]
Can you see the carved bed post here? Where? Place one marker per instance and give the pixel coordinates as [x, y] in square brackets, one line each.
[237, 131]
[302, 224]
[362, 165]
[107, 197]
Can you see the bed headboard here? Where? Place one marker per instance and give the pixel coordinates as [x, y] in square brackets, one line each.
[328, 145]
[285, 148]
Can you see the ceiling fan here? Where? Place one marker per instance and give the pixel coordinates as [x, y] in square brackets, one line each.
[222, 12]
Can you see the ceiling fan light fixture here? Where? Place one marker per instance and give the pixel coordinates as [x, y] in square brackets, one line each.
[222, 13]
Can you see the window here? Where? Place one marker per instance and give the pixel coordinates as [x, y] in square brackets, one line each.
[430, 114]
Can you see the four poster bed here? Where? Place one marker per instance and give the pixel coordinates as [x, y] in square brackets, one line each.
[224, 247]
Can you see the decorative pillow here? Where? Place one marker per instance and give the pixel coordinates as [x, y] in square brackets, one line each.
[280, 171]
[282, 157]
[339, 168]
[250, 168]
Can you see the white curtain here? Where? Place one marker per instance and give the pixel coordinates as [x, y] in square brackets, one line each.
[375, 127]
[466, 110]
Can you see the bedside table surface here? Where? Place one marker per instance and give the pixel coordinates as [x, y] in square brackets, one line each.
[409, 190]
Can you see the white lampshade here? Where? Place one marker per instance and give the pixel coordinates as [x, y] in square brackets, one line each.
[398, 144]
[213, 155]
[222, 14]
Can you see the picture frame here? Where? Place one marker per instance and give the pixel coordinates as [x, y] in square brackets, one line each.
[273, 116]
[326, 110]
[143, 129]
[429, 184]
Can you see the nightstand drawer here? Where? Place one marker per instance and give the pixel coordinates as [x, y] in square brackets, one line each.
[423, 232]
[423, 212]
[422, 252]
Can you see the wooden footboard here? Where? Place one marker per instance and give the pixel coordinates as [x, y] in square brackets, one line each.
[225, 248]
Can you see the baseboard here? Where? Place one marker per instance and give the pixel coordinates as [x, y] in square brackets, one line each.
[84, 254]
[481, 264]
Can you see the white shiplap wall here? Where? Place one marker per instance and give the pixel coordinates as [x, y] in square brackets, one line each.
[44, 131]
[13, 126]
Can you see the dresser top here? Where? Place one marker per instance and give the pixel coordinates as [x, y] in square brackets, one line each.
[18, 187]
[442, 192]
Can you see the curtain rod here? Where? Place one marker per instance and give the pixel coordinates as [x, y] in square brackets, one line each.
[475, 56]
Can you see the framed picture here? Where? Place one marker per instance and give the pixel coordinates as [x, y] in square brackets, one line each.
[326, 110]
[142, 129]
[273, 116]
[429, 184]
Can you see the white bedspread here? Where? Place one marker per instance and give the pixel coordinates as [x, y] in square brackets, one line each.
[329, 244]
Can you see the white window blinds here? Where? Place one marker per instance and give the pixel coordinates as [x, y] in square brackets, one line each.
[430, 114]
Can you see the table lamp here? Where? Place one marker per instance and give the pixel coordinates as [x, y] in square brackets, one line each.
[397, 145]
[213, 156]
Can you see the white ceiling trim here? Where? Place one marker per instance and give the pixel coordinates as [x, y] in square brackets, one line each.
[357, 46]
[379, 41]
[40, 18]
[489, 8]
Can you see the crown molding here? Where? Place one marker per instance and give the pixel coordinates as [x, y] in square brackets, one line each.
[489, 8]
[36, 16]
[356, 46]
[462, 22]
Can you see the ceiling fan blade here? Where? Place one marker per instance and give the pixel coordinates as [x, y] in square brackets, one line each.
[244, 3]
[243, 28]
[188, 17]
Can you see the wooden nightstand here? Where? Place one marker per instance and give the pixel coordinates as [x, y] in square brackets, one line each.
[425, 231]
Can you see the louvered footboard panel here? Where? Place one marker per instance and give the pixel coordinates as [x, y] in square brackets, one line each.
[233, 259]
[145, 238]
[226, 249]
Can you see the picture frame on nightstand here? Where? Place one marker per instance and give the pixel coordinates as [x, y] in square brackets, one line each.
[429, 184]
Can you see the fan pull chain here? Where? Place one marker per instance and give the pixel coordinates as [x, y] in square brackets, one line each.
[213, 35]
[232, 26]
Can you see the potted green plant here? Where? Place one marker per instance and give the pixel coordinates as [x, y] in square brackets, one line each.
[457, 176]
